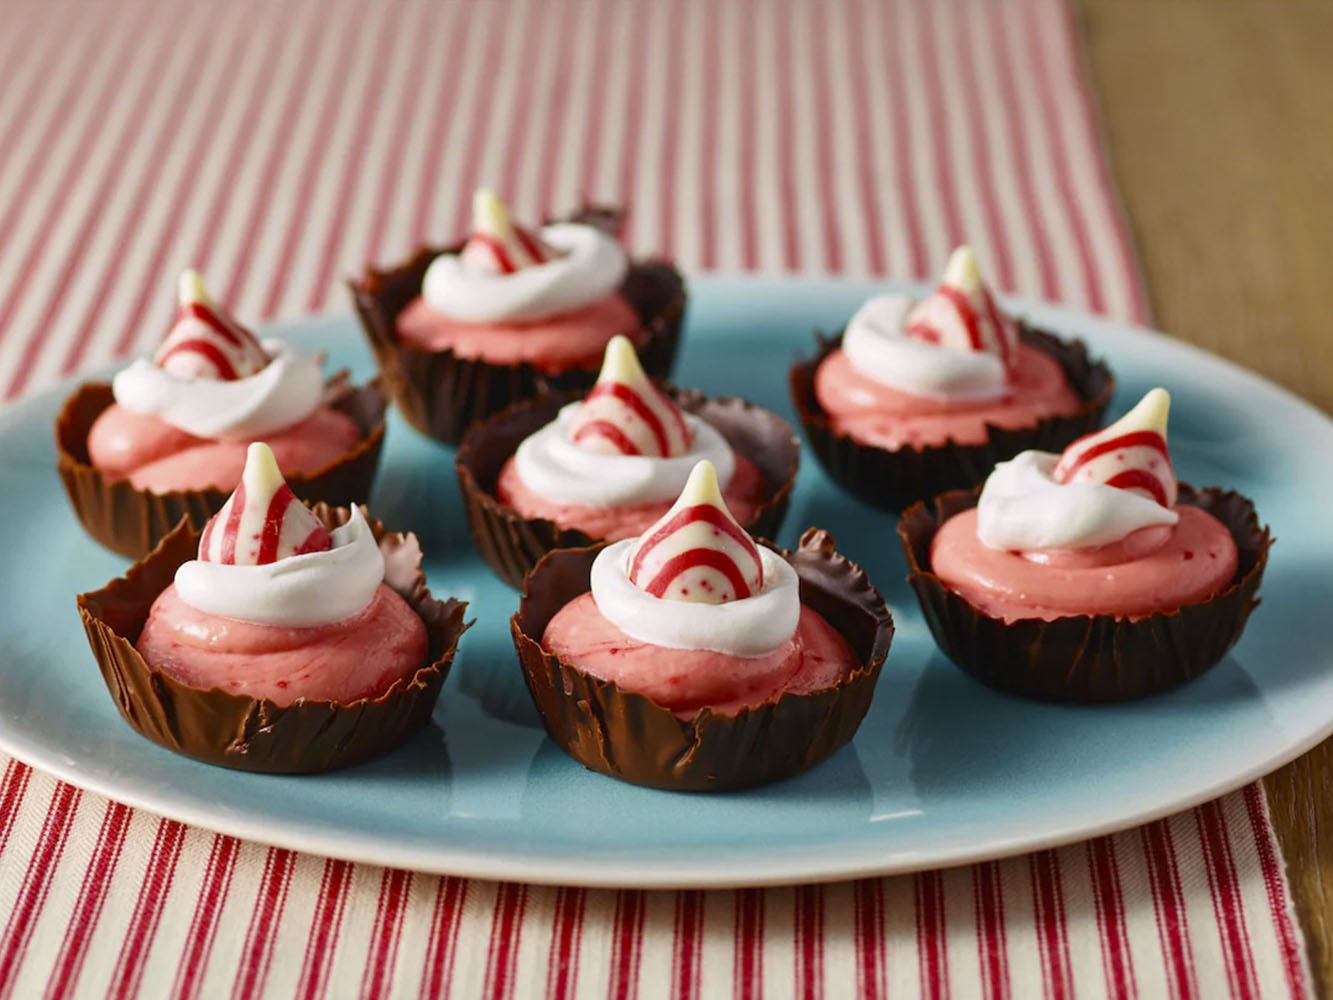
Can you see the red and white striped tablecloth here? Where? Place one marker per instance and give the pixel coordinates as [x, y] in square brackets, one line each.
[281, 146]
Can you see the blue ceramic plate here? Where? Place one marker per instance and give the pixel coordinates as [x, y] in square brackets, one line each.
[943, 770]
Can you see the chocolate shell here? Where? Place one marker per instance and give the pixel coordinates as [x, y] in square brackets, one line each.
[131, 521]
[511, 544]
[441, 394]
[253, 734]
[1088, 658]
[893, 480]
[630, 737]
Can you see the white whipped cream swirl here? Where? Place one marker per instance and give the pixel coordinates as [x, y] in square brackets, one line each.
[284, 392]
[878, 347]
[590, 266]
[299, 591]
[552, 465]
[752, 626]
[1022, 508]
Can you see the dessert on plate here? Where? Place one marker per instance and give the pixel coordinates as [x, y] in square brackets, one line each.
[693, 657]
[277, 639]
[461, 332]
[563, 471]
[1090, 575]
[914, 398]
[168, 437]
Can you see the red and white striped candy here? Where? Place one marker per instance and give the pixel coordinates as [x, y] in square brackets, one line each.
[697, 552]
[262, 521]
[961, 313]
[205, 341]
[497, 245]
[1131, 454]
[625, 414]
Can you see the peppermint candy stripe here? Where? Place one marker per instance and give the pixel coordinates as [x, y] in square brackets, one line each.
[1135, 460]
[616, 410]
[204, 344]
[970, 331]
[654, 559]
[275, 530]
[506, 258]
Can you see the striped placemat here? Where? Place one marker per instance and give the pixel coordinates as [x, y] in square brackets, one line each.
[279, 147]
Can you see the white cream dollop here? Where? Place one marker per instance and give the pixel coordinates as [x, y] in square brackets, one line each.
[1023, 508]
[299, 591]
[752, 626]
[284, 392]
[590, 266]
[876, 344]
[552, 465]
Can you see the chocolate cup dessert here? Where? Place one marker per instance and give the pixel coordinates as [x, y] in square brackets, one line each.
[131, 521]
[254, 734]
[441, 394]
[630, 737]
[1089, 658]
[893, 480]
[511, 544]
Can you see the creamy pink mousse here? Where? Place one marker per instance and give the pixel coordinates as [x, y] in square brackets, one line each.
[359, 657]
[1153, 569]
[882, 417]
[743, 494]
[684, 681]
[155, 456]
[570, 340]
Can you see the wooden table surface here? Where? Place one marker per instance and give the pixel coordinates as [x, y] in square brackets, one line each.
[1220, 121]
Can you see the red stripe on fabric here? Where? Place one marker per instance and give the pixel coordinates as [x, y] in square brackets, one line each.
[1070, 203]
[1140, 479]
[826, 143]
[708, 142]
[506, 930]
[748, 966]
[865, 129]
[109, 175]
[325, 929]
[231, 529]
[466, 180]
[88, 907]
[668, 203]
[626, 945]
[937, 118]
[1048, 904]
[562, 965]
[1016, 127]
[395, 889]
[868, 934]
[590, 148]
[1228, 905]
[1169, 908]
[558, 106]
[809, 943]
[450, 899]
[299, 211]
[36, 883]
[204, 925]
[12, 790]
[687, 945]
[899, 126]
[1279, 901]
[788, 196]
[993, 950]
[1109, 904]
[696, 512]
[456, 35]
[535, 36]
[257, 955]
[127, 980]
[354, 158]
[747, 59]
[932, 939]
[630, 128]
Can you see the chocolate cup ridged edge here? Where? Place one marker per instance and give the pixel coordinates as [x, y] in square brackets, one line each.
[511, 544]
[1088, 658]
[630, 737]
[130, 521]
[442, 395]
[253, 734]
[893, 480]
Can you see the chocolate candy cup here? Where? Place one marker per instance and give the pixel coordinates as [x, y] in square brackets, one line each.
[511, 544]
[441, 394]
[253, 734]
[630, 737]
[893, 480]
[131, 521]
[1088, 658]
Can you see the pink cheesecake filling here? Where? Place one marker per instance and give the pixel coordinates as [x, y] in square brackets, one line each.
[743, 494]
[155, 456]
[1153, 569]
[571, 340]
[359, 657]
[882, 417]
[684, 681]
